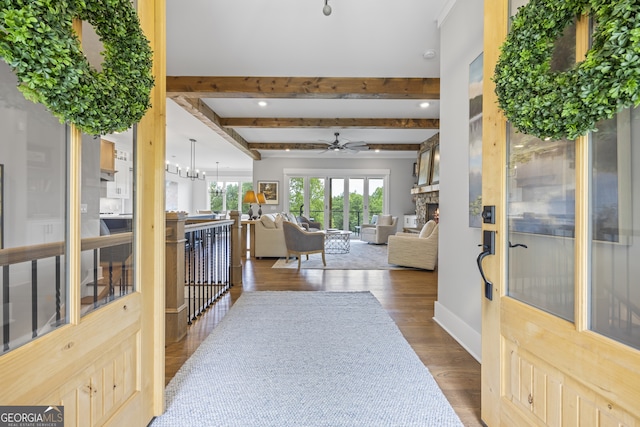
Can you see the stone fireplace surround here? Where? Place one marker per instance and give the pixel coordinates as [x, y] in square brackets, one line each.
[426, 197]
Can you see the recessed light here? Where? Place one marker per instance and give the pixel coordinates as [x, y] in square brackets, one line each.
[424, 104]
[377, 150]
[262, 103]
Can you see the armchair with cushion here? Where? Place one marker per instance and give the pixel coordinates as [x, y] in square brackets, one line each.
[379, 233]
[300, 242]
[415, 250]
[308, 224]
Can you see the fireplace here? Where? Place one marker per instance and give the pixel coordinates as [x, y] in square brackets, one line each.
[426, 205]
[431, 211]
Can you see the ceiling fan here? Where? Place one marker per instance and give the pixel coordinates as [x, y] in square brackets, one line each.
[348, 146]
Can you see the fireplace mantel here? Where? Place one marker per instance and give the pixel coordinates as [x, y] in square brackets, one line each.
[422, 189]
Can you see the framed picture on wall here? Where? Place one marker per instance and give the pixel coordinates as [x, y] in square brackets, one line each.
[424, 167]
[270, 191]
[435, 169]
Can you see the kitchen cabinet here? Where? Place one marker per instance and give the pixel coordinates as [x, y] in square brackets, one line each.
[41, 231]
[119, 188]
[107, 156]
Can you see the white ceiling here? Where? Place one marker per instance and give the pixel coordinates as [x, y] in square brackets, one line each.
[293, 38]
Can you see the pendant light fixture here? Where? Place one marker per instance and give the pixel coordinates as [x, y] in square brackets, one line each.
[216, 191]
[192, 173]
[326, 9]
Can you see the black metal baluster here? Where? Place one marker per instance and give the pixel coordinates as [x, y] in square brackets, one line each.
[186, 281]
[205, 261]
[192, 274]
[96, 264]
[110, 294]
[201, 248]
[5, 311]
[34, 298]
[227, 267]
[123, 279]
[58, 287]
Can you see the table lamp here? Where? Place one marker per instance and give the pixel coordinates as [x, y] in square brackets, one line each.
[250, 197]
[261, 201]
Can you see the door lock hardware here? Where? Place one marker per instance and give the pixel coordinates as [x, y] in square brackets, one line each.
[488, 248]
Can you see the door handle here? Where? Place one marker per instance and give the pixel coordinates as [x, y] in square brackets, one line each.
[488, 246]
[517, 245]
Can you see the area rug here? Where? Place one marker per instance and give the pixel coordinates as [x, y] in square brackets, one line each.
[362, 256]
[287, 358]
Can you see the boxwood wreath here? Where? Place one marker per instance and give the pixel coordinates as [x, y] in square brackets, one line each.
[568, 104]
[38, 42]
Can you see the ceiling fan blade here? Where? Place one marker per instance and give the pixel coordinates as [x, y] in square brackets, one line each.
[358, 147]
[355, 144]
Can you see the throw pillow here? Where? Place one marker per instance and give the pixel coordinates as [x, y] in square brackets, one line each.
[385, 220]
[267, 221]
[279, 220]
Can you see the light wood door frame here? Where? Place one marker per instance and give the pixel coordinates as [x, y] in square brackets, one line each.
[107, 367]
[538, 369]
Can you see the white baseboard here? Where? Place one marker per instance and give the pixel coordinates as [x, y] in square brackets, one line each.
[466, 336]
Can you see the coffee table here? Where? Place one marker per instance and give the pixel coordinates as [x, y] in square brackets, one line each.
[337, 242]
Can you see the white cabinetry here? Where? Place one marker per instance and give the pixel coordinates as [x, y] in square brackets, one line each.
[119, 187]
[41, 231]
[410, 221]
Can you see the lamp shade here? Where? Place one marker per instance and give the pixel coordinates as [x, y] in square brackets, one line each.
[261, 199]
[250, 197]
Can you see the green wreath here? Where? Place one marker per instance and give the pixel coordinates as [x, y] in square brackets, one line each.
[38, 41]
[568, 104]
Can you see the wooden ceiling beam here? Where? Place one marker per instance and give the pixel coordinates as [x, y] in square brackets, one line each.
[362, 123]
[303, 87]
[206, 115]
[321, 146]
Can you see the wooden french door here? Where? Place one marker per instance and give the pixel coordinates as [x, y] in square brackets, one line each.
[560, 334]
[104, 366]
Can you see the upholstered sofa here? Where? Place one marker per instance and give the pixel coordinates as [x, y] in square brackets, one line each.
[379, 233]
[269, 242]
[415, 250]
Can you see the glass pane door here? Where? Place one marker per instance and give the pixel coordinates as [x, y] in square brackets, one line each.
[336, 203]
[615, 294]
[316, 200]
[356, 203]
[541, 222]
[375, 202]
[296, 195]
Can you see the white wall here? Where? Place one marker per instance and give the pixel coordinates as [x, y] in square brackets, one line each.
[192, 195]
[400, 177]
[459, 286]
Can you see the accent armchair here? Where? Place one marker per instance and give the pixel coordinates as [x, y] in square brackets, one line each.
[379, 233]
[300, 242]
[415, 250]
[308, 224]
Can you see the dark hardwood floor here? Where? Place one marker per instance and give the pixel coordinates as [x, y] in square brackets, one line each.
[408, 297]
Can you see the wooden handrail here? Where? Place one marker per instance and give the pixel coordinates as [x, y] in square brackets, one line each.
[20, 254]
[197, 225]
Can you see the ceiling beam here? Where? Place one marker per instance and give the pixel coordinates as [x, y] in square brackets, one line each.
[283, 122]
[303, 87]
[206, 115]
[321, 146]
